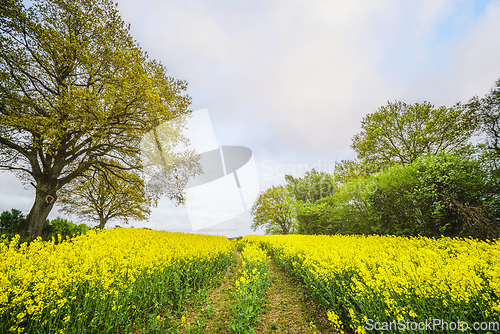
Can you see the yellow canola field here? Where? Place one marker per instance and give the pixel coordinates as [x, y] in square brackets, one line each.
[363, 280]
[106, 280]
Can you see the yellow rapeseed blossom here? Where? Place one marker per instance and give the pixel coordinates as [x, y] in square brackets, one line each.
[388, 278]
[98, 275]
[336, 322]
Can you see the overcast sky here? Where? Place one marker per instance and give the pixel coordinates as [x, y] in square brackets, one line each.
[291, 80]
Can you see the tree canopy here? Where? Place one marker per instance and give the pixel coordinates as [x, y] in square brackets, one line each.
[399, 133]
[168, 163]
[311, 187]
[74, 88]
[443, 194]
[488, 108]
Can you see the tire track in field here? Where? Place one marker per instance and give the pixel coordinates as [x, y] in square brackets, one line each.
[216, 311]
[288, 309]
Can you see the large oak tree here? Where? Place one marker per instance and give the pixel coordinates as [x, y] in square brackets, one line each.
[75, 88]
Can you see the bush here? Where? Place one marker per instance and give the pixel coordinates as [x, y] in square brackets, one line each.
[63, 227]
[435, 195]
[11, 222]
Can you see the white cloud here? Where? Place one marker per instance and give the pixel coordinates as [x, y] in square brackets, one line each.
[309, 70]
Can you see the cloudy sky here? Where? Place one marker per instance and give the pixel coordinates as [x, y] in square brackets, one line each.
[291, 80]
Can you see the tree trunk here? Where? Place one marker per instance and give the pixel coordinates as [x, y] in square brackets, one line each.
[44, 201]
[102, 222]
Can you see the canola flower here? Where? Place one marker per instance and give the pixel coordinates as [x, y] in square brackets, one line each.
[104, 281]
[336, 322]
[388, 278]
[251, 285]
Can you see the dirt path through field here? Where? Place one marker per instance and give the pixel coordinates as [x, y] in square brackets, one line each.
[214, 316]
[288, 310]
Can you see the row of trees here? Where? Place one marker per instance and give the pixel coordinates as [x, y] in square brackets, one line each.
[79, 100]
[416, 173]
[444, 194]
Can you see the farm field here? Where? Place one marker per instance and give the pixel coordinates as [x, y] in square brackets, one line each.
[130, 280]
[107, 281]
[367, 283]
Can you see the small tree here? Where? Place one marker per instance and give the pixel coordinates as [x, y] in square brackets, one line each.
[274, 209]
[63, 227]
[101, 196]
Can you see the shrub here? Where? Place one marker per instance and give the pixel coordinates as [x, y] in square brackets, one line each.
[63, 227]
[11, 222]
